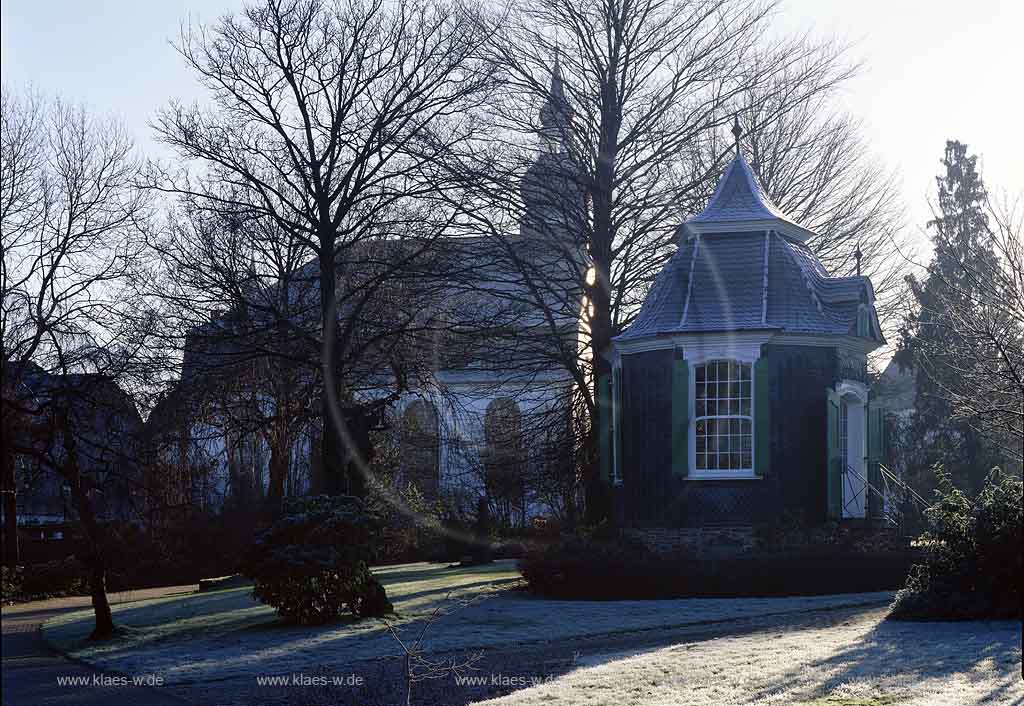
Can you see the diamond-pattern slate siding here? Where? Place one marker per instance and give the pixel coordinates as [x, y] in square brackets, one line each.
[651, 496]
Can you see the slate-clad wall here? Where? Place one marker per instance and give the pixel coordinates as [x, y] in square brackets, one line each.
[646, 439]
[800, 376]
[652, 496]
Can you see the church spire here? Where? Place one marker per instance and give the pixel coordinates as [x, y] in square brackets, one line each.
[556, 114]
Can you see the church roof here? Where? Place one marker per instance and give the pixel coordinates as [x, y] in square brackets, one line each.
[743, 265]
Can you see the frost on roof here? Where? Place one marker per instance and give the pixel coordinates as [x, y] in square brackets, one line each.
[739, 197]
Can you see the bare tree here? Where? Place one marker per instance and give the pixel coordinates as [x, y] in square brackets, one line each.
[71, 215]
[236, 298]
[814, 164]
[632, 98]
[417, 664]
[332, 122]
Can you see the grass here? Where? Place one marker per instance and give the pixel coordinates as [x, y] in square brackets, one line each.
[861, 660]
[855, 701]
[225, 634]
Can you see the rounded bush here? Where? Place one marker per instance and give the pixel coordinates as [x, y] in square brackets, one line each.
[311, 565]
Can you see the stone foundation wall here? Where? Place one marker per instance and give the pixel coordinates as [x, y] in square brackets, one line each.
[695, 540]
[739, 539]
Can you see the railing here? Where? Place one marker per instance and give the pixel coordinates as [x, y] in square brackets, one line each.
[890, 491]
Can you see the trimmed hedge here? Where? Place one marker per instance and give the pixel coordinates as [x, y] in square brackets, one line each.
[578, 569]
[51, 579]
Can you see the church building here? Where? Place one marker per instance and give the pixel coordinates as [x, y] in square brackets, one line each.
[739, 395]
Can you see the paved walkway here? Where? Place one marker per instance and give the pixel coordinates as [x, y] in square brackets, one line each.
[32, 672]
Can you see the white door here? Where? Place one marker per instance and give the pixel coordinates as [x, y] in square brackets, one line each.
[851, 444]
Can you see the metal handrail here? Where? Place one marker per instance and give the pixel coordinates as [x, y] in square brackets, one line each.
[902, 485]
[889, 511]
[892, 485]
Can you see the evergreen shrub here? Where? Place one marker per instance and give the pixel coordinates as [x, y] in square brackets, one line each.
[311, 564]
[972, 566]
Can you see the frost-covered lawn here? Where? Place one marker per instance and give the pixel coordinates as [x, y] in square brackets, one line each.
[226, 634]
[859, 663]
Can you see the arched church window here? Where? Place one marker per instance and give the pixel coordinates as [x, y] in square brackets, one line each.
[503, 456]
[723, 411]
[420, 447]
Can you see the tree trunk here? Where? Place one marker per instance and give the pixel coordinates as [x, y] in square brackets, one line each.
[331, 456]
[597, 504]
[278, 468]
[11, 547]
[100, 606]
[95, 557]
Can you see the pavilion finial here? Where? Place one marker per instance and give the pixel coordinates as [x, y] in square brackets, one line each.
[857, 254]
[737, 131]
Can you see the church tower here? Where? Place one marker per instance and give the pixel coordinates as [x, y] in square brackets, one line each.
[554, 198]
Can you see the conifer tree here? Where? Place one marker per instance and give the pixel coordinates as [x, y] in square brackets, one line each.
[933, 341]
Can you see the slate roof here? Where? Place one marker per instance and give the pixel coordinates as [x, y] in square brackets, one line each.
[739, 201]
[745, 267]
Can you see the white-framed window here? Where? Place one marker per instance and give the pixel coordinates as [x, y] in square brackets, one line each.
[723, 418]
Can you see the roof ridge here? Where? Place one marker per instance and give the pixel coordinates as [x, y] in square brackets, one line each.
[828, 281]
[689, 281]
[805, 275]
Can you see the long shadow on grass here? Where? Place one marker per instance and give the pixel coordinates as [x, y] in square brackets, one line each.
[220, 641]
[914, 651]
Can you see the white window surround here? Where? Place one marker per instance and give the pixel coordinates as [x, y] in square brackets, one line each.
[723, 350]
[854, 395]
[739, 341]
[853, 388]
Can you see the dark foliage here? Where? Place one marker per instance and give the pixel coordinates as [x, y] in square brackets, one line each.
[311, 565]
[63, 577]
[972, 569]
[595, 570]
[181, 553]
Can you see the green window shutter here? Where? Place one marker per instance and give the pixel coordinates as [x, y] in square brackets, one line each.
[762, 419]
[886, 439]
[876, 455]
[604, 426]
[680, 415]
[616, 396]
[833, 462]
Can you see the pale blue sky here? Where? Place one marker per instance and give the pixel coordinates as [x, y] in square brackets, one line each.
[933, 69]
